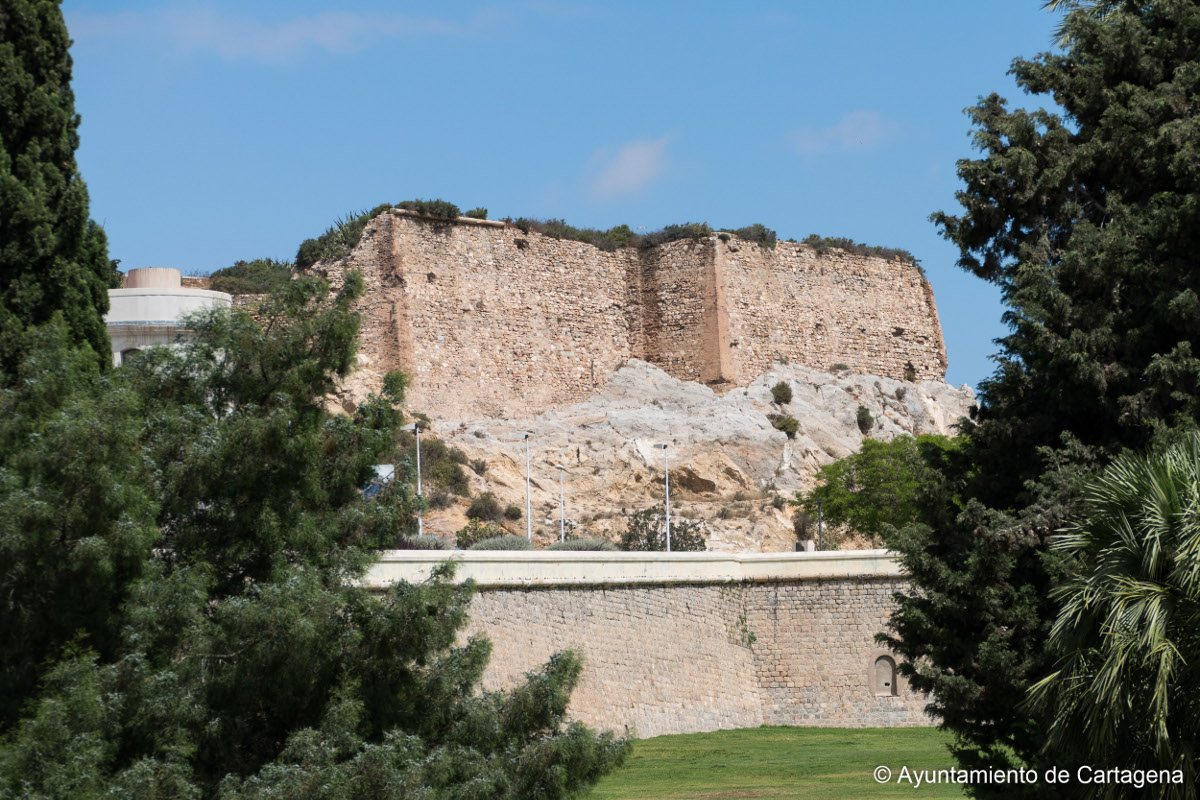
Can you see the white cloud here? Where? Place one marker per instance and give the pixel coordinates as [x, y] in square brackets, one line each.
[858, 130]
[237, 37]
[632, 168]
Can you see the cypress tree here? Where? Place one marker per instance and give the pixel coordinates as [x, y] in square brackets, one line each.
[53, 258]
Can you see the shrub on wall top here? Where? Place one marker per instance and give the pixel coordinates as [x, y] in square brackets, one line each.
[259, 276]
[586, 543]
[337, 242]
[505, 542]
[759, 234]
[823, 244]
[439, 209]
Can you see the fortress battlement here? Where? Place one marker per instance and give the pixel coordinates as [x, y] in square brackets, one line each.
[492, 321]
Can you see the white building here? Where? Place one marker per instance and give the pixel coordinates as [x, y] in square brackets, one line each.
[147, 310]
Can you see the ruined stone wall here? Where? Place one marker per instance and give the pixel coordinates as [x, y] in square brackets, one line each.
[490, 321]
[494, 322]
[678, 307]
[682, 658]
[873, 315]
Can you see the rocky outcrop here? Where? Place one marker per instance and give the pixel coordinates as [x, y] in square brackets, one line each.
[728, 462]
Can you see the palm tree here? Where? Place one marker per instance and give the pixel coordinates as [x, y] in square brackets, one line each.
[1127, 689]
[1101, 9]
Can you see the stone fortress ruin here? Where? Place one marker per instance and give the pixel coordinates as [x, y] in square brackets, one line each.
[493, 321]
[505, 330]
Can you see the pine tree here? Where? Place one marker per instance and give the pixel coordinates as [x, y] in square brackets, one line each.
[52, 257]
[1088, 219]
[227, 648]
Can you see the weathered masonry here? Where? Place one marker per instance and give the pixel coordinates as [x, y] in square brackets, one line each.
[688, 642]
[495, 322]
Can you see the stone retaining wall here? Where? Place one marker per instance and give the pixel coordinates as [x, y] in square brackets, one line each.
[672, 646]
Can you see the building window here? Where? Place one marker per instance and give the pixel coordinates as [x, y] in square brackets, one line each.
[883, 677]
[127, 353]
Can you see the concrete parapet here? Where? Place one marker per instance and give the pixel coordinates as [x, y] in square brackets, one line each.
[573, 568]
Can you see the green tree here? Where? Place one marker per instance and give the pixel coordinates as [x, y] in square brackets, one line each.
[52, 257]
[1125, 689]
[241, 658]
[78, 507]
[260, 276]
[647, 530]
[887, 485]
[1085, 219]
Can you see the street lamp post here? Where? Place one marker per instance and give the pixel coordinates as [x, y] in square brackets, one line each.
[667, 486]
[562, 506]
[420, 520]
[528, 504]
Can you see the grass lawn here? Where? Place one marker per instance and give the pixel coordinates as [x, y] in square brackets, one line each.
[779, 762]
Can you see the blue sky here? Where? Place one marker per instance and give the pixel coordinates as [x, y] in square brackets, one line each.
[220, 131]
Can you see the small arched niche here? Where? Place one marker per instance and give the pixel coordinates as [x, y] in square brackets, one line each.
[883, 677]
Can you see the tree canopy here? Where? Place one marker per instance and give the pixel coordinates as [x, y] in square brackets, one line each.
[1085, 216]
[53, 258]
[192, 528]
[885, 485]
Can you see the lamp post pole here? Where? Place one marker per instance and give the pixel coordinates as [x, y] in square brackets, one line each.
[667, 486]
[528, 504]
[820, 544]
[562, 507]
[420, 514]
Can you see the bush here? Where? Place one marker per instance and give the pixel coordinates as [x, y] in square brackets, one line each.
[477, 213]
[823, 244]
[800, 524]
[438, 209]
[513, 512]
[259, 276]
[910, 372]
[614, 238]
[476, 531]
[337, 242]
[788, 424]
[864, 419]
[759, 234]
[505, 542]
[425, 542]
[451, 477]
[479, 466]
[587, 543]
[674, 233]
[646, 530]
[839, 367]
[441, 467]
[485, 507]
[439, 498]
[781, 393]
[777, 502]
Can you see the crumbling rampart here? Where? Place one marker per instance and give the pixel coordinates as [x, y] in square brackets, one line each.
[494, 321]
